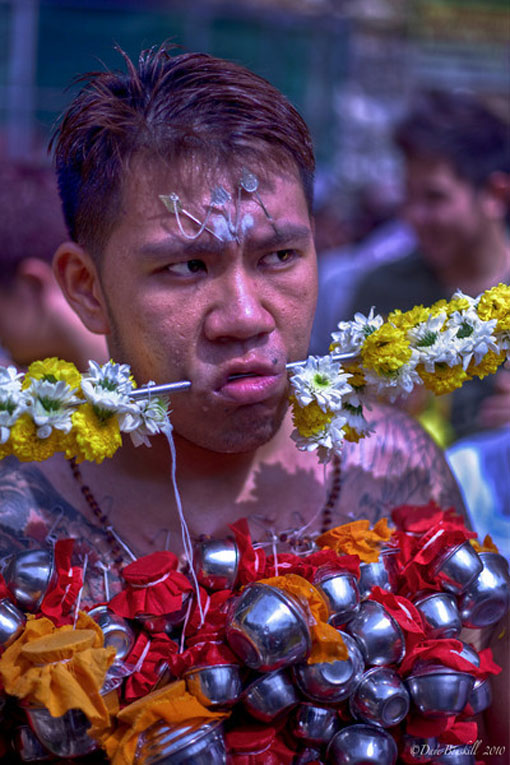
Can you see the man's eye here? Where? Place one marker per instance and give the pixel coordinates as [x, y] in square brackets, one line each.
[187, 268]
[280, 257]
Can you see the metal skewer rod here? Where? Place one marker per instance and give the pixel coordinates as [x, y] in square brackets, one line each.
[166, 388]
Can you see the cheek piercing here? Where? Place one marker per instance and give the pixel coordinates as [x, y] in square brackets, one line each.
[164, 388]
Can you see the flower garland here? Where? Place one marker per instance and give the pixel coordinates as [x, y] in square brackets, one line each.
[440, 347]
[53, 408]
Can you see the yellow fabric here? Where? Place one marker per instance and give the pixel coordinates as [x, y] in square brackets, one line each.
[171, 704]
[486, 546]
[75, 676]
[58, 646]
[327, 643]
[357, 538]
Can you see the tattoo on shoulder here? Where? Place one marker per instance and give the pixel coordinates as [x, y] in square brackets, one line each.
[399, 464]
[33, 514]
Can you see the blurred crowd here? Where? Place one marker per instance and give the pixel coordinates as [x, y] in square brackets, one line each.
[450, 231]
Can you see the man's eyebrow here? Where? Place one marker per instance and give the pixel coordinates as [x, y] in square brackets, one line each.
[171, 247]
[284, 235]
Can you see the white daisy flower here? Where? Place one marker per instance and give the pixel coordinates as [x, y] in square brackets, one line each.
[326, 442]
[432, 341]
[397, 384]
[150, 418]
[355, 418]
[10, 381]
[13, 401]
[472, 336]
[107, 387]
[459, 295]
[51, 405]
[322, 380]
[351, 334]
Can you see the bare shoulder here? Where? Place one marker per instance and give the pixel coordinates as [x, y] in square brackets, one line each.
[398, 464]
[35, 510]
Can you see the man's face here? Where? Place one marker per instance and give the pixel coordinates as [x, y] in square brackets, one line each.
[445, 211]
[226, 313]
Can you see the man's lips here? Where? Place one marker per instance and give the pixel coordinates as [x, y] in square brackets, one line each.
[250, 384]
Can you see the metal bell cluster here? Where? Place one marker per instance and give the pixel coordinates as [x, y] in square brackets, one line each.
[333, 712]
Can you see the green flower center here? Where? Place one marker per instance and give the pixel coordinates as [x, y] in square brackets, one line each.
[50, 404]
[107, 384]
[465, 330]
[103, 415]
[321, 381]
[7, 406]
[428, 339]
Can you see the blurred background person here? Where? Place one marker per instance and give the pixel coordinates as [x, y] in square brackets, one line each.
[35, 319]
[457, 172]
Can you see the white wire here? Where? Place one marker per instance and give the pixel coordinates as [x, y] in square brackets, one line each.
[186, 538]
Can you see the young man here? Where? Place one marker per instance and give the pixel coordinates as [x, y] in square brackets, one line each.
[216, 285]
[457, 168]
[225, 305]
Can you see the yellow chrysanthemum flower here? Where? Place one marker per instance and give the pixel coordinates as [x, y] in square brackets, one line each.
[92, 438]
[444, 379]
[495, 304]
[408, 319]
[310, 419]
[457, 304]
[438, 307]
[6, 449]
[27, 447]
[351, 434]
[487, 366]
[386, 350]
[357, 376]
[53, 369]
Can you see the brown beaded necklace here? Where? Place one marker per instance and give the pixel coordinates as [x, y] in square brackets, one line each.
[325, 513]
[96, 510]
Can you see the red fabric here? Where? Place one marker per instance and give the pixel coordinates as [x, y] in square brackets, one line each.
[308, 565]
[150, 567]
[68, 580]
[460, 732]
[251, 562]
[160, 652]
[215, 608]
[418, 519]
[419, 573]
[448, 730]
[257, 744]
[4, 592]
[445, 651]
[144, 594]
[405, 614]
[487, 664]
[205, 654]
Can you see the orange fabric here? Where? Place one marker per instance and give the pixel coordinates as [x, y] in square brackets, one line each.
[171, 704]
[327, 643]
[357, 538]
[74, 675]
[486, 546]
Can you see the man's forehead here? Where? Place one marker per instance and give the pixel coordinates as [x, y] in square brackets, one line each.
[197, 182]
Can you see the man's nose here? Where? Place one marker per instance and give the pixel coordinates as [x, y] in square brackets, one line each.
[239, 310]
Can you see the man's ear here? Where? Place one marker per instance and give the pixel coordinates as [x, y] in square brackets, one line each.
[78, 278]
[497, 195]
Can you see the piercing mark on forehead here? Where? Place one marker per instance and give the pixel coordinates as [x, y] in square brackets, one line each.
[224, 227]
